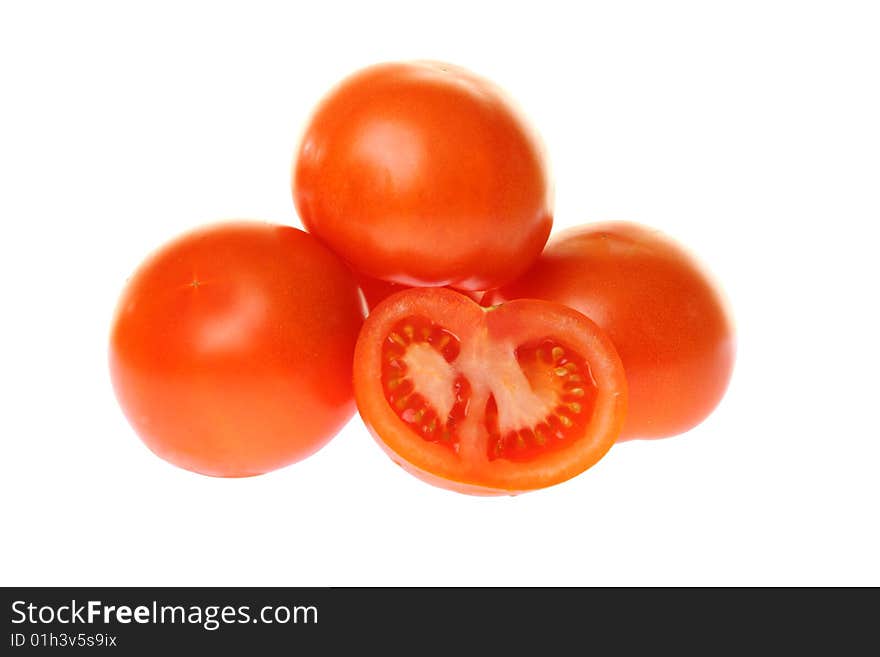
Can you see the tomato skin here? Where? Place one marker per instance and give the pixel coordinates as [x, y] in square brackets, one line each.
[376, 290]
[483, 331]
[664, 313]
[424, 174]
[231, 348]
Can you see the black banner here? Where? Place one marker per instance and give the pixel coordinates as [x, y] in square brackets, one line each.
[548, 621]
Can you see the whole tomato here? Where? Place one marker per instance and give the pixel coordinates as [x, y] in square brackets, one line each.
[424, 174]
[661, 309]
[231, 348]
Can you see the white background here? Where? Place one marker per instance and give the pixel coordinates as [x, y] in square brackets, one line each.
[748, 130]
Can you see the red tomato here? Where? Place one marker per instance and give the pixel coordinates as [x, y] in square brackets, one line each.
[487, 401]
[662, 311]
[231, 349]
[423, 173]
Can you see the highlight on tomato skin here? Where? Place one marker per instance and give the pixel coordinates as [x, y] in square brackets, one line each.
[231, 348]
[376, 290]
[664, 312]
[487, 401]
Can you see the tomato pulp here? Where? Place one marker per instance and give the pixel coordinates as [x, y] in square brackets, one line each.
[487, 401]
[661, 309]
[231, 349]
[423, 173]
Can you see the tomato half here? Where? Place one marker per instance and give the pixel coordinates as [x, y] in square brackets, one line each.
[423, 173]
[487, 401]
[231, 349]
[662, 310]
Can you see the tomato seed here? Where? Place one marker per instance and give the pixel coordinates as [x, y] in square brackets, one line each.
[541, 434]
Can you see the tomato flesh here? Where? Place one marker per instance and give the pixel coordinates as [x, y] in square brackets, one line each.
[430, 390]
[488, 400]
[420, 382]
[562, 380]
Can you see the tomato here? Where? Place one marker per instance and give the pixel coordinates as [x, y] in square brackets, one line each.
[231, 348]
[423, 173]
[487, 401]
[663, 312]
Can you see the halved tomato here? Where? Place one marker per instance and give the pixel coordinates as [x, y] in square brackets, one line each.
[488, 400]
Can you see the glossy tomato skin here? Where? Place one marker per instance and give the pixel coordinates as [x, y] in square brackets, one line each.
[487, 339]
[662, 310]
[231, 348]
[424, 174]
